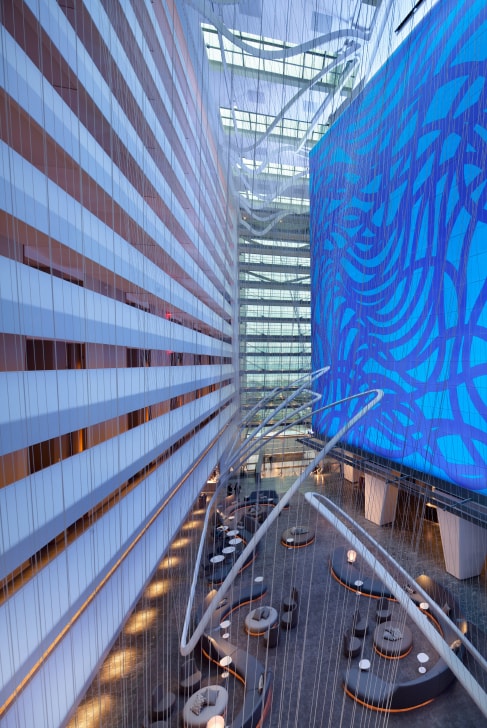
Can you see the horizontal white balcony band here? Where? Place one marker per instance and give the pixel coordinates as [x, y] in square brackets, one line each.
[40, 405]
[27, 194]
[215, 189]
[90, 637]
[49, 109]
[221, 192]
[35, 304]
[61, 588]
[193, 151]
[63, 36]
[84, 397]
[37, 508]
[65, 218]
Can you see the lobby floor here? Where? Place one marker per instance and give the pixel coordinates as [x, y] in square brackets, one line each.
[308, 663]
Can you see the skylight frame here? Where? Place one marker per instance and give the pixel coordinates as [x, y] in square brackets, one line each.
[284, 200]
[302, 67]
[252, 122]
[275, 169]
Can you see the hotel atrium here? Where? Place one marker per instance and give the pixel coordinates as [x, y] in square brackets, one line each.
[243, 363]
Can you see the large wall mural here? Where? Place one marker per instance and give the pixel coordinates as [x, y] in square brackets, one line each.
[399, 251]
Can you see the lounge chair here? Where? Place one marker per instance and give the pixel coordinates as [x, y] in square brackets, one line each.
[189, 676]
[360, 624]
[289, 602]
[289, 617]
[383, 613]
[352, 645]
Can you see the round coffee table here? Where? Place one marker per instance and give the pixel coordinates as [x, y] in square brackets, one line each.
[297, 536]
[259, 620]
[204, 704]
[392, 639]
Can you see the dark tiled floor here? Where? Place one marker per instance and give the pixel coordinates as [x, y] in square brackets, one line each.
[308, 663]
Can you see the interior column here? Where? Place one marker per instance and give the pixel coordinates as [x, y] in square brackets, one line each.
[464, 545]
[380, 500]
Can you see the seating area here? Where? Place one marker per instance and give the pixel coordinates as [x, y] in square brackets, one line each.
[225, 549]
[253, 510]
[390, 639]
[290, 609]
[268, 496]
[393, 639]
[360, 624]
[271, 637]
[373, 691]
[251, 668]
[189, 676]
[256, 679]
[348, 574]
[259, 620]
[262, 621]
[376, 632]
[352, 645]
[296, 537]
[203, 705]
[162, 703]
[442, 596]
[382, 612]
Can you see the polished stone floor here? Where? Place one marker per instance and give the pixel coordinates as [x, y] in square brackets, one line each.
[308, 664]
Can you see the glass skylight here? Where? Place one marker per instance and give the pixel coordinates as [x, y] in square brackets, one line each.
[273, 168]
[279, 200]
[275, 242]
[295, 201]
[254, 123]
[301, 67]
[273, 260]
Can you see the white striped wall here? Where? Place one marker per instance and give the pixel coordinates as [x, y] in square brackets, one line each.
[177, 259]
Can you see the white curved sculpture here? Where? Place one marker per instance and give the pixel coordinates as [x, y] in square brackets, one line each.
[188, 644]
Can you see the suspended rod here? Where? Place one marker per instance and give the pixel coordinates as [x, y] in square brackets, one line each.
[473, 688]
[188, 644]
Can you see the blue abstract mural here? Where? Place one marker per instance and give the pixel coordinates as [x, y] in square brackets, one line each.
[399, 252]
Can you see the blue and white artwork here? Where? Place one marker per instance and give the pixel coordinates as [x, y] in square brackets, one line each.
[399, 252]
